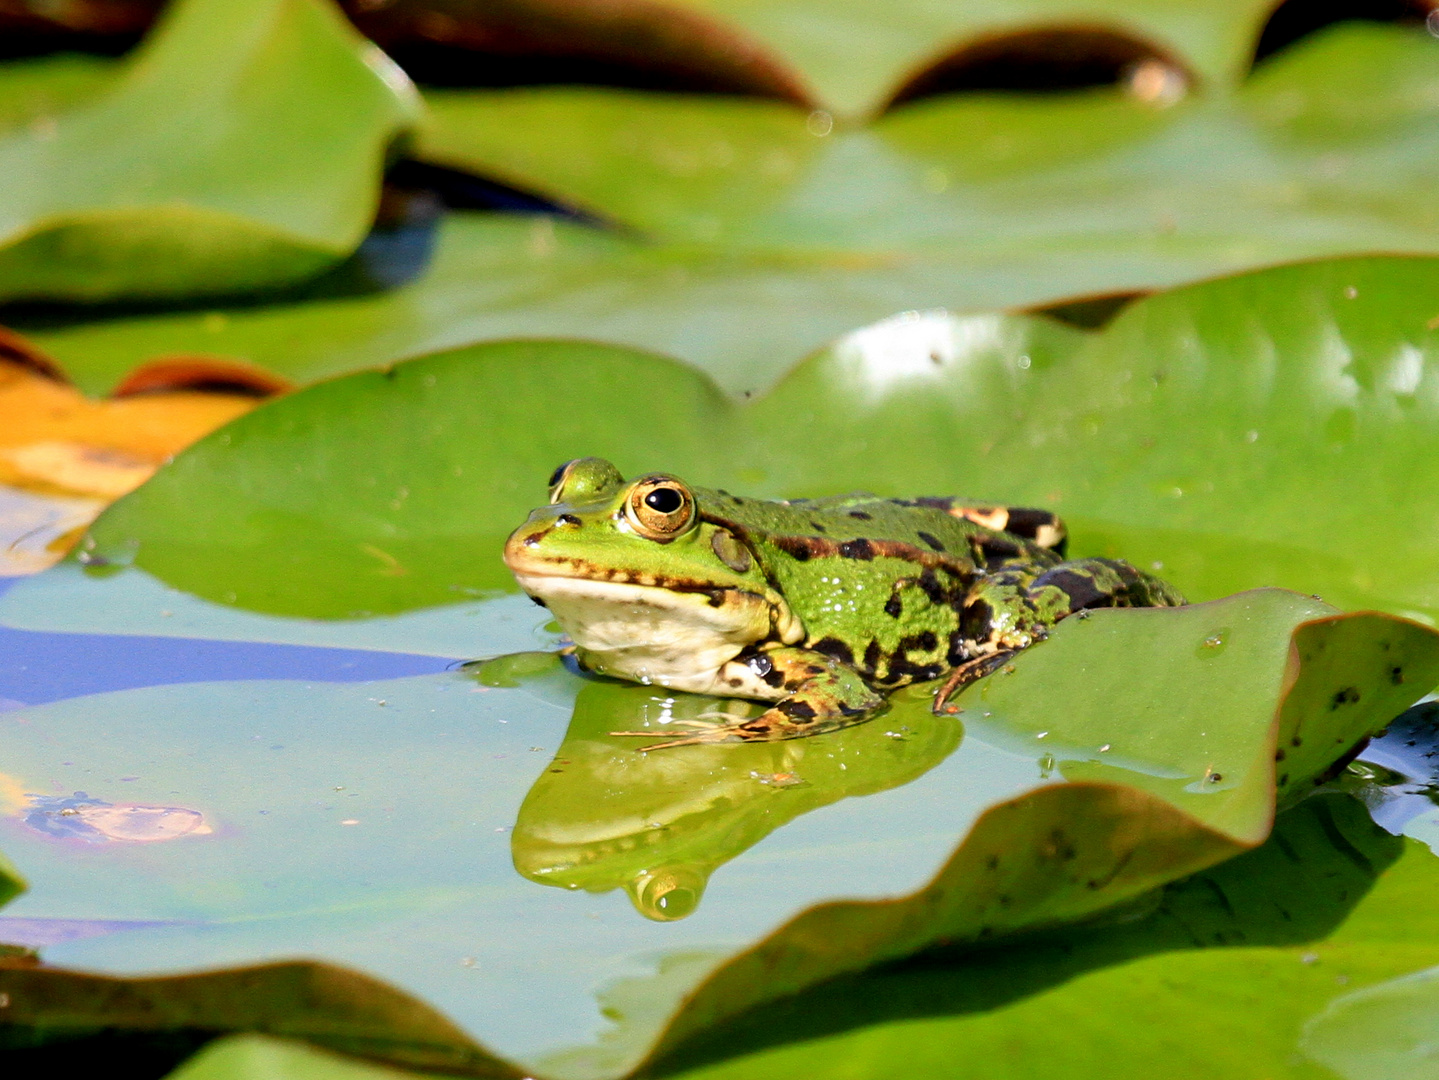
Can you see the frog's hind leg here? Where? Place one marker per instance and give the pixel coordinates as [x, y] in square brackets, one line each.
[822, 694]
[1014, 608]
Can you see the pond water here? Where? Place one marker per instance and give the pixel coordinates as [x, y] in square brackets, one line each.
[187, 785]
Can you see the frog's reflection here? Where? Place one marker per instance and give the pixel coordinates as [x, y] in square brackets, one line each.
[604, 815]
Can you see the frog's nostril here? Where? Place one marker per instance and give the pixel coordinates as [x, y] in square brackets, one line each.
[569, 521]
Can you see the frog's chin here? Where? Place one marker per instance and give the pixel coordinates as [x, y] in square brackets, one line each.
[654, 635]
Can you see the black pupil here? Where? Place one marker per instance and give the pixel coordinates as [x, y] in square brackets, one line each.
[664, 500]
[555, 476]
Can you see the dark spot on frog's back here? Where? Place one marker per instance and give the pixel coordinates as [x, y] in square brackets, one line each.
[799, 548]
[836, 649]
[931, 540]
[1080, 588]
[817, 526]
[857, 549]
[801, 712]
[861, 515]
[871, 656]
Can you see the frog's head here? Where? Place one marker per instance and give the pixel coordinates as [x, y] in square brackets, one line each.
[628, 566]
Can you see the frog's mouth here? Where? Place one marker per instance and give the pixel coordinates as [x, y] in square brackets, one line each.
[665, 634]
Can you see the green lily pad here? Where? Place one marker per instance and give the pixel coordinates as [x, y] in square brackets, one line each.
[743, 318]
[1289, 166]
[34, 92]
[259, 1057]
[768, 241]
[332, 1007]
[301, 831]
[1259, 968]
[11, 883]
[856, 54]
[1230, 432]
[272, 120]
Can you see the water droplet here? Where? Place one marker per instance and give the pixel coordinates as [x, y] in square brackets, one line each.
[1214, 643]
[1104, 749]
[1251, 436]
[1046, 766]
[1023, 363]
[819, 123]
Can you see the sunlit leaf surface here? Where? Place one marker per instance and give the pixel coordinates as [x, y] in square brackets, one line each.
[1188, 434]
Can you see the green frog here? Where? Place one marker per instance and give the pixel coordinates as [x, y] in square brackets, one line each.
[819, 607]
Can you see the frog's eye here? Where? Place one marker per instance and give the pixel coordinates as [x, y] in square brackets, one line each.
[583, 479]
[557, 480]
[660, 508]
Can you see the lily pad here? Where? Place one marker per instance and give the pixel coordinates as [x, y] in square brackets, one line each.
[34, 92]
[1288, 166]
[765, 240]
[329, 1006]
[272, 120]
[1258, 968]
[856, 55]
[744, 318]
[410, 873]
[259, 1057]
[1229, 432]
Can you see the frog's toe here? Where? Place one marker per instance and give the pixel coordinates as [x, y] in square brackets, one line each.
[748, 731]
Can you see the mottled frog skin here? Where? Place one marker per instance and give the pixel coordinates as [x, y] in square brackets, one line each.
[819, 606]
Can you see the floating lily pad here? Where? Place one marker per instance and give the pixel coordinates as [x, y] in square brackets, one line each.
[744, 318]
[33, 93]
[315, 839]
[856, 55]
[774, 240]
[271, 120]
[1286, 962]
[1289, 166]
[1231, 432]
[260, 1057]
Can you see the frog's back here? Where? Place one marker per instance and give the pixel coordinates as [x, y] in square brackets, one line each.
[959, 528]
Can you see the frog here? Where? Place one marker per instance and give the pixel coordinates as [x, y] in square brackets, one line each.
[818, 608]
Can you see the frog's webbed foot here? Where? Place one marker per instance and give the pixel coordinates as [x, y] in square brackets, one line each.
[823, 695]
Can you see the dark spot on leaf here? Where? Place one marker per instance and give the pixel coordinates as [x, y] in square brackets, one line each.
[1348, 696]
[1396, 676]
[992, 863]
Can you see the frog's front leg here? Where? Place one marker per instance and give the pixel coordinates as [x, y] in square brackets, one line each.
[821, 694]
[1013, 608]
